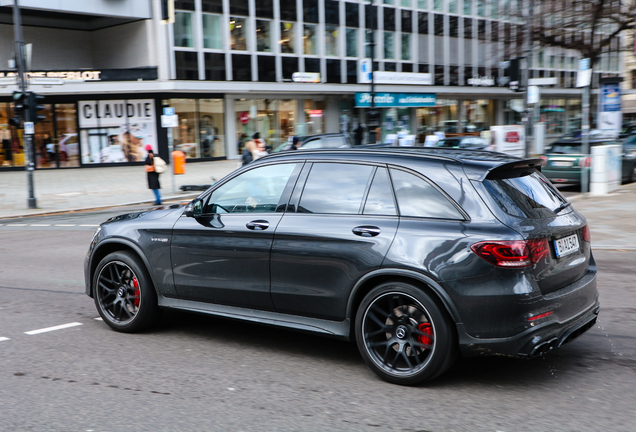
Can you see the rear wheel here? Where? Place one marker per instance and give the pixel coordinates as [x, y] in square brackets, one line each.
[124, 294]
[632, 178]
[403, 335]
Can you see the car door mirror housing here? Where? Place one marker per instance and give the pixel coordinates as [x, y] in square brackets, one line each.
[194, 209]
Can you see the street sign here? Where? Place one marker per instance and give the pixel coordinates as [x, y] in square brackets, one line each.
[533, 94]
[168, 111]
[169, 121]
[306, 77]
[584, 75]
[46, 81]
[29, 128]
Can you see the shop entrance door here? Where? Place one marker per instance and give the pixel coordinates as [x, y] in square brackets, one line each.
[55, 141]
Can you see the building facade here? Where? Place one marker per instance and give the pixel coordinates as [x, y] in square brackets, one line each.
[280, 68]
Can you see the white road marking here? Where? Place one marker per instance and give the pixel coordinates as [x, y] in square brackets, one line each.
[16, 224]
[99, 319]
[48, 329]
[40, 224]
[3, 339]
[90, 225]
[64, 224]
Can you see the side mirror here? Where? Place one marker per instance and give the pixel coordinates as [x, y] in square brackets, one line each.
[194, 209]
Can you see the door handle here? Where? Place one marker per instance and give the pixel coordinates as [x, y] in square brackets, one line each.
[258, 225]
[366, 231]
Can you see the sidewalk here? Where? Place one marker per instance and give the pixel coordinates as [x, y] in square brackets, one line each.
[58, 190]
[612, 218]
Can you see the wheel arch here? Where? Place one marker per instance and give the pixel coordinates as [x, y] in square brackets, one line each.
[421, 281]
[109, 246]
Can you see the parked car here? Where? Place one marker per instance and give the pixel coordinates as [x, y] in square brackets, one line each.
[416, 254]
[627, 131]
[463, 142]
[564, 160]
[321, 141]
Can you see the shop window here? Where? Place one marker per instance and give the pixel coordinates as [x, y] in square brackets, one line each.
[352, 72]
[352, 14]
[264, 8]
[212, 31]
[183, 31]
[290, 66]
[238, 32]
[407, 21]
[266, 68]
[334, 72]
[332, 12]
[263, 36]
[309, 39]
[331, 40]
[187, 65]
[389, 19]
[214, 67]
[211, 128]
[287, 37]
[288, 10]
[214, 6]
[406, 46]
[352, 42]
[184, 4]
[239, 7]
[422, 22]
[310, 11]
[312, 65]
[389, 45]
[241, 67]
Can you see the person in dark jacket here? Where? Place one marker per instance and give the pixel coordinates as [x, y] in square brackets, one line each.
[250, 147]
[295, 143]
[153, 176]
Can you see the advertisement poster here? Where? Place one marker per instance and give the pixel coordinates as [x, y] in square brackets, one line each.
[610, 112]
[117, 130]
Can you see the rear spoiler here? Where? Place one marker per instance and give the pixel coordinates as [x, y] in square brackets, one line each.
[535, 163]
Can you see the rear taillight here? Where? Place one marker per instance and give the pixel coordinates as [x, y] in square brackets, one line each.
[587, 235]
[544, 160]
[512, 254]
[585, 162]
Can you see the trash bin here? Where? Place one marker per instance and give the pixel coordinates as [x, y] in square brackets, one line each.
[178, 162]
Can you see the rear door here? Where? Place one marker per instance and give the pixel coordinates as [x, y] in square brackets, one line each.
[339, 225]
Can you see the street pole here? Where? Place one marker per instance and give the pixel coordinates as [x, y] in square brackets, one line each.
[28, 138]
[585, 129]
[171, 159]
[372, 112]
[525, 79]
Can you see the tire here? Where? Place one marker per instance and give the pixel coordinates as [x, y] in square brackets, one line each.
[404, 335]
[124, 294]
[632, 178]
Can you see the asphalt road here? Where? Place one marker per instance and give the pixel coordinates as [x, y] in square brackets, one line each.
[194, 372]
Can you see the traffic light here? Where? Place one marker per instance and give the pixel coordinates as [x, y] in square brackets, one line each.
[35, 107]
[511, 74]
[20, 102]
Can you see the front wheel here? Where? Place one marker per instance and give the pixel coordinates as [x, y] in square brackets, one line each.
[124, 294]
[403, 335]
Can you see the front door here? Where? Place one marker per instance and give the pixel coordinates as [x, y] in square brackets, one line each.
[223, 256]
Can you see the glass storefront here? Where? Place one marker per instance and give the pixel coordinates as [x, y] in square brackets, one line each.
[201, 131]
[478, 115]
[440, 118]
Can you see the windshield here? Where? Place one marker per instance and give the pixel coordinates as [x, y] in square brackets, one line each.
[447, 143]
[525, 194]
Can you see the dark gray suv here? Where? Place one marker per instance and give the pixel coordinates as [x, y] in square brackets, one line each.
[418, 255]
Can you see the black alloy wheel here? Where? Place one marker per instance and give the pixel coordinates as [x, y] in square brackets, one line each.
[124, 294]
[403, 335]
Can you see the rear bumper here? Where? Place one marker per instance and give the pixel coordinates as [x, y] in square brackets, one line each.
[542, 336]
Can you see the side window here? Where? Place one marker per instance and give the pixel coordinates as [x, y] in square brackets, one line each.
[418, 198]
[380, 199]
[335, 188]
[335, 142]
[313, 144]
[256, 191]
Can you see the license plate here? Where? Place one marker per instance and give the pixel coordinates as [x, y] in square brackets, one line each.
[566, 245]
[562, 164]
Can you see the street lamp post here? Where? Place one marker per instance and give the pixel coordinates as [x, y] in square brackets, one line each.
[372, 113]
[28, 137]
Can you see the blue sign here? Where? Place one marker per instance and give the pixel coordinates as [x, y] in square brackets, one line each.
[399, 100]
[168, 111]
[610, 97]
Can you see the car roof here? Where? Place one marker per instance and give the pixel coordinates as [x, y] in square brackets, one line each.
[476, 163]
[306, 137]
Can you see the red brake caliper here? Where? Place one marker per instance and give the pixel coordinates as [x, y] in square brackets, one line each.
[136, 285]
[427, 337]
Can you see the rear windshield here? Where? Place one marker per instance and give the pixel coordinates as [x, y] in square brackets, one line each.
[525, 194]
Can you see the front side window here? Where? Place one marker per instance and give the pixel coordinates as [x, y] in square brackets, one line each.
[334, 188]
[418, 198]
[256, 191]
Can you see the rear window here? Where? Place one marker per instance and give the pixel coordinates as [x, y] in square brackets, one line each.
[525, 194]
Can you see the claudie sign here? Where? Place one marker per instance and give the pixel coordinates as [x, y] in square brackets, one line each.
[107, 113]
[388, 100]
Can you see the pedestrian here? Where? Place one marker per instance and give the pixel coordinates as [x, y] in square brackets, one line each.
[260, 150]
[295, 143]
[247, 152]
[153, 175]
[359, 134]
